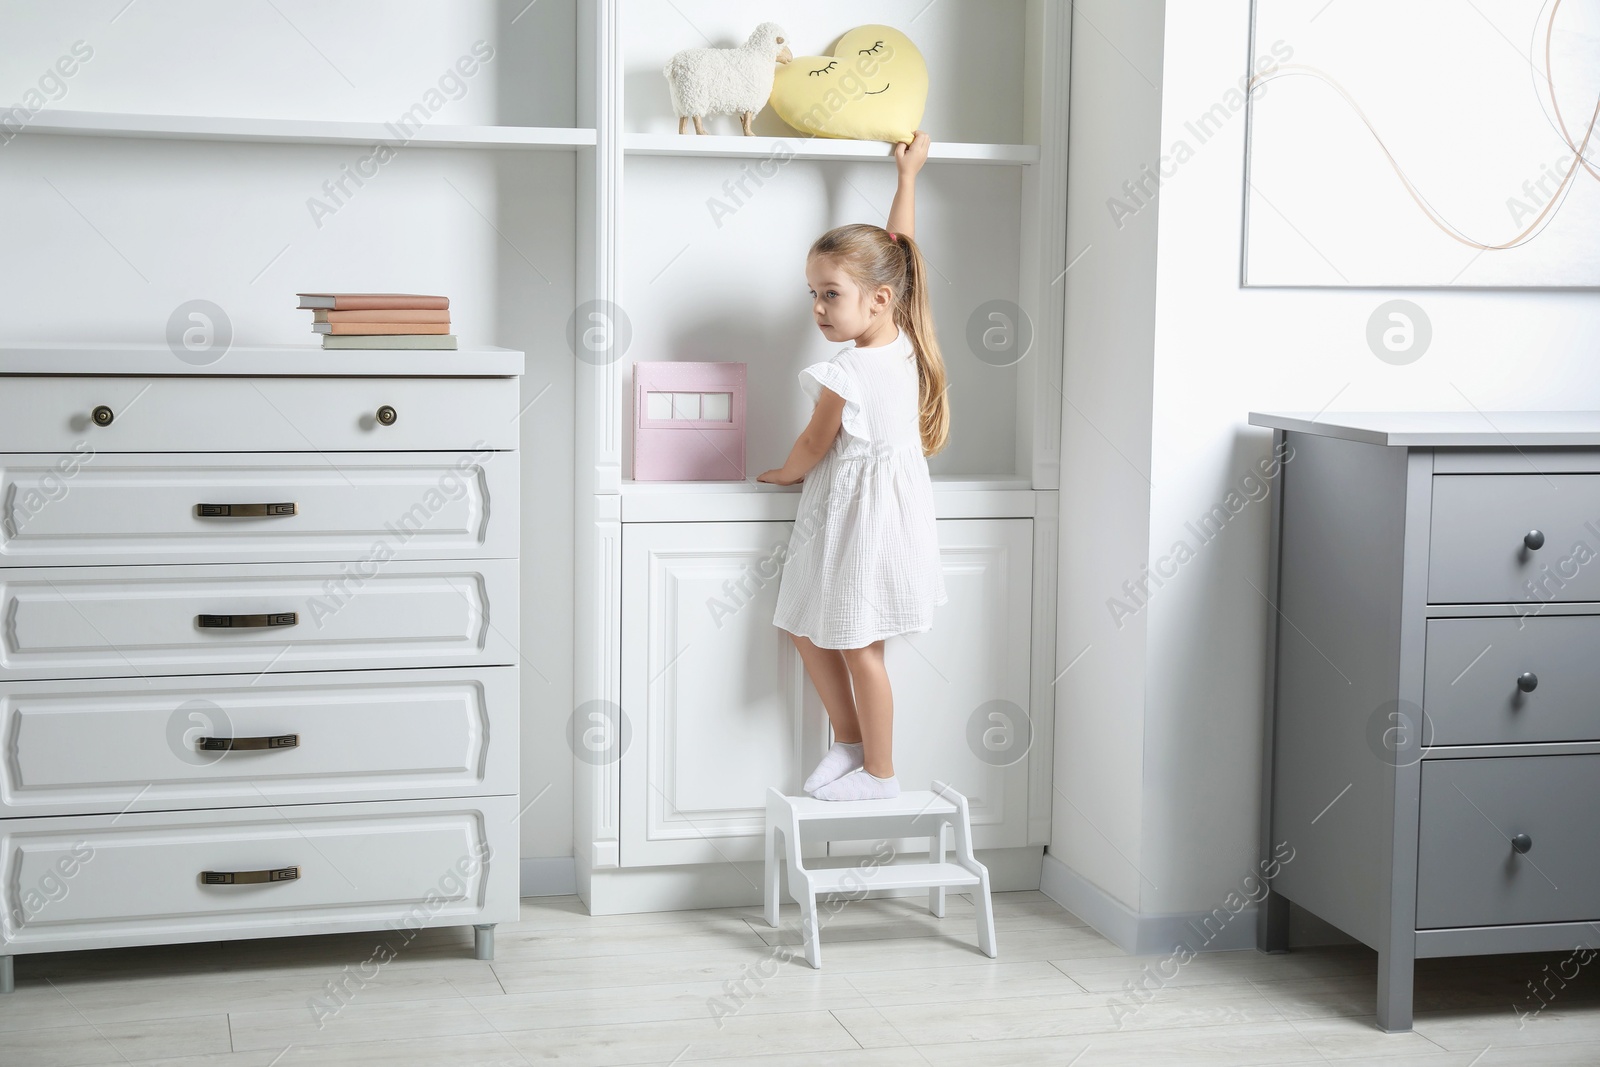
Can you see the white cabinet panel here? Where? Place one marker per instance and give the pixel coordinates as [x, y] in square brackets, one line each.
[715, 696]
[111, 745]
[720, 709]
[257, 414]
[961, 689]
[137, 878]
[97, 622]
[91, 508]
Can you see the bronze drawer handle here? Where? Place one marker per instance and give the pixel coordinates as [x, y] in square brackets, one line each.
[248, 744]
[387, 415]
[102, 415]
[235, 622]
[271, 874]
[245, 511]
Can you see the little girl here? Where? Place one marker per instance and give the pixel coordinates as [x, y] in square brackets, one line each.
[863, 562]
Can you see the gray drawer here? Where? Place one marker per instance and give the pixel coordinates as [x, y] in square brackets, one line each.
[1468, 874]
[1470, 690]
[1477, 554]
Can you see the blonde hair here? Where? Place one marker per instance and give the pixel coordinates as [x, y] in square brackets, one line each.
[873, 257]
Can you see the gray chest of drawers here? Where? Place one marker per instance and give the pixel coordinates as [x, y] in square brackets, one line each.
[1432, 747]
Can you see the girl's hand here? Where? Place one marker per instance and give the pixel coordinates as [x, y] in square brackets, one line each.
[776, 477]
[909, 158]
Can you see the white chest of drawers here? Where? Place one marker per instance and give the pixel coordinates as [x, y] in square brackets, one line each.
[1433, 754]
[258, 644]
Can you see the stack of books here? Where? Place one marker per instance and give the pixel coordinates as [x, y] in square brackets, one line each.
[380, 320]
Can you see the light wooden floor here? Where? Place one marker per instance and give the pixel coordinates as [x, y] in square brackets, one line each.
[897, 987]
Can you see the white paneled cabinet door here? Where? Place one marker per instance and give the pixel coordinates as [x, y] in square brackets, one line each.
[717, 707]
[715, 703]
[961, 710]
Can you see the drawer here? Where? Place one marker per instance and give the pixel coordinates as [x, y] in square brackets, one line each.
[95, 746]
[95, 508]
[1470, 685]
[110, 622]
[1468, 874]
[1477, 552]
[258, 414]
[103, 880]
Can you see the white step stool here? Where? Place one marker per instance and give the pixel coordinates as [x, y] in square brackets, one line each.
[916, 814]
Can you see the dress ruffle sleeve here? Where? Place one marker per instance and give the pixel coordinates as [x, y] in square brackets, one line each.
[836, 378]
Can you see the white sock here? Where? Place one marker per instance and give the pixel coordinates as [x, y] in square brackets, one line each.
[860, 785]
[841, 759]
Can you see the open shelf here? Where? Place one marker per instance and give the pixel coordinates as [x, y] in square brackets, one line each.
[304, 131]
[803, 146]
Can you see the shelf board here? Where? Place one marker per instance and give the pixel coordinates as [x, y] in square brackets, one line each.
[802, 147]
[304, 131]
[941, 483]
[154, 359]
[955, 497]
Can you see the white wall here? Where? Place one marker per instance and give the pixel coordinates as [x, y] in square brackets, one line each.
[1105, 448]
[1219, 352]
[1222, 352]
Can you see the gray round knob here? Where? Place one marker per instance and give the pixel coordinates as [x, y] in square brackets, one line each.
[1527, 681]
[1521, 843]
[1534, 539]
[102, 415]
[387, 415]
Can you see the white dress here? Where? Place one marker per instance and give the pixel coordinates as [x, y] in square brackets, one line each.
[863, 559]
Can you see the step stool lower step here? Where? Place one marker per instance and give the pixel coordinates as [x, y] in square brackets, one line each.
[891, 876]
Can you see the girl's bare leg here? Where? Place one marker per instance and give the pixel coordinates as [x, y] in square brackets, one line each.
[874, 707]
[831, 677]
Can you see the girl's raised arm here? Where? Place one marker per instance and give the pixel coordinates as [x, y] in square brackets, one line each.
[908, 159]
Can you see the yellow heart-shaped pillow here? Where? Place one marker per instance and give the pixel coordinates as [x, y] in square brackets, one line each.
[873, 88]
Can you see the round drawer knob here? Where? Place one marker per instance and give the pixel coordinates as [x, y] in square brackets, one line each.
[1521, 843]
[1527, 681]
[387, 415]
[102, 415]
[1534, 539]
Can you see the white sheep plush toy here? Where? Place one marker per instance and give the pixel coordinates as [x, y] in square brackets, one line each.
[726, 81]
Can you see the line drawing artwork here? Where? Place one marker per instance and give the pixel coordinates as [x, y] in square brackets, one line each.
[1429, 144]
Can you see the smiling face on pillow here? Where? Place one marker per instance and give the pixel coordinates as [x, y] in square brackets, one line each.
[873, 88]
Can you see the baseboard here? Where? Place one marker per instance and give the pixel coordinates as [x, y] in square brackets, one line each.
[1143, 935]
[553, 877]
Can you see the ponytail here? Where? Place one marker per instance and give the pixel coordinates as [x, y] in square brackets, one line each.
[913, 314]
[875, 257]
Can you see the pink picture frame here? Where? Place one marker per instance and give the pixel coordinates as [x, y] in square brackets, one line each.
[689, 422]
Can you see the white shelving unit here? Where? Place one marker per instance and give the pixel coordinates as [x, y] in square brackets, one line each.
[178, 165]
[693, 247]
[553, 179]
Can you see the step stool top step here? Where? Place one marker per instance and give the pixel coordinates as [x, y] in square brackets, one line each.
[890, 876]
[911, 804]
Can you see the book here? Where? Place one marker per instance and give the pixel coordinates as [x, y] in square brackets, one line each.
[372, 328]
[401, 341]
[381, 315]
[371, 301]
